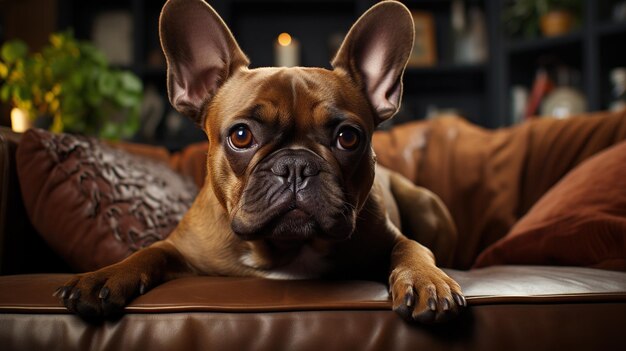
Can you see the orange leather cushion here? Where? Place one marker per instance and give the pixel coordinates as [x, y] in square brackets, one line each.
[489, 179]
[580, 222]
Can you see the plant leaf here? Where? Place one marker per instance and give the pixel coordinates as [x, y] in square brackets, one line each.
[5, 92]
[4, 70]
[13, 51]
[130, 82]
[107, 83]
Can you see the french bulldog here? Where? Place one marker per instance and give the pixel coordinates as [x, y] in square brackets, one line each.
[292, 189]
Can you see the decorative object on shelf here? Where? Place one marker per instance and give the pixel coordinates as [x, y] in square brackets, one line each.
[557, 22]
[541, 87]
[286, 51]
[152, 113]
[70, 83]
[519, 98]
[459, 30]
[619, 11]
[529, 18]
[424, 48]
[112, 34]
[565, 100]
[618, 78]
[469, 34]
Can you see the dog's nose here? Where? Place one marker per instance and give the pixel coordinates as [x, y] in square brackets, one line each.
[289, 167]
[296, 169]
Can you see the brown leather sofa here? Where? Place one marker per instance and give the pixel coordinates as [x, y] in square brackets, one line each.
[510, 307]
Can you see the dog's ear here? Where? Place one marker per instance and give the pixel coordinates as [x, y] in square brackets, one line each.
[201, 54]
[375, 53]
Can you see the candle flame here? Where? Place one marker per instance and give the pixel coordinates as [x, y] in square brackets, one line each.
[284, 39]
[19, 120]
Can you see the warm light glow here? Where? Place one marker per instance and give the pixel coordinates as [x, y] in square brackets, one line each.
[19, 120]
[284, 39]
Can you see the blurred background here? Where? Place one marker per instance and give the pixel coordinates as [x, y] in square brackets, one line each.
[96, 67]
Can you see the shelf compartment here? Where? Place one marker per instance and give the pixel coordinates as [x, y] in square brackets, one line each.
[611, 28]
[448, 69]
[541, 44]
[446, 78]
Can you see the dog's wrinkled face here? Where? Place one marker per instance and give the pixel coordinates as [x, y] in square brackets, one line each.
[289, 148]
[290, 154]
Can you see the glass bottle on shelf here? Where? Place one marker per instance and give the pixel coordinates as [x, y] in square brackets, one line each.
[469, 33]
[618, 78]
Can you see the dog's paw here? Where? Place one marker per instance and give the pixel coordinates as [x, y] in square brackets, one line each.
[426, 296]
[103, 293]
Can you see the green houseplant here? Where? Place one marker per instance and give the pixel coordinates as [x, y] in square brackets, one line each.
[529, 18]
[71, 83]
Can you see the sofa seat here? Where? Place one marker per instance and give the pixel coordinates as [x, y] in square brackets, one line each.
[511, 308]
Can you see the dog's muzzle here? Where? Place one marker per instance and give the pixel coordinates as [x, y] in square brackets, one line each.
[293, 195]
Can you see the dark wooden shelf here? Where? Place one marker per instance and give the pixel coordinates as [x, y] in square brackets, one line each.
[456, 69]
[611, 28]
[153, 72]
[285, 7]
[418, 3]
[539, 44]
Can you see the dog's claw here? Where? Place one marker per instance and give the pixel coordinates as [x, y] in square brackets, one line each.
[445, 305]
[408, 299]
[460, 300]
[63, 292]
[75, 294]
[104, 293]
[432, 304]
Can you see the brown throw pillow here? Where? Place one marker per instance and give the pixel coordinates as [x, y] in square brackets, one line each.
[95, 204]
[581, 221]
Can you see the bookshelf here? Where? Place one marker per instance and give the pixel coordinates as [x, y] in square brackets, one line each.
[480, 91]
[593, 50]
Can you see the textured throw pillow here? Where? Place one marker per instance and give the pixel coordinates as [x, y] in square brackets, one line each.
[94, 204]
[581, 221]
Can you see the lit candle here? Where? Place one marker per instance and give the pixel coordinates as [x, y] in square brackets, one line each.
[286, 51]
[19, 120]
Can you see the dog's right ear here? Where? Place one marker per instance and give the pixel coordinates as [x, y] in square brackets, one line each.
[375, 53]
[201, 54]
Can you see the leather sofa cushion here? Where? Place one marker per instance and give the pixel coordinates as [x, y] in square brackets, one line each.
[489, 179]
[581, 221]
[94, 204]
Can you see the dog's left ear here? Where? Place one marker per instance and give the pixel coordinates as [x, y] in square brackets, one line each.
[201, 54]
[375, 53]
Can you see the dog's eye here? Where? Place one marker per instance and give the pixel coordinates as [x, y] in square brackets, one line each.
[348, 138]
[241, 137]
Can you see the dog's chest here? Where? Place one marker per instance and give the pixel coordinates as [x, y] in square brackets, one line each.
[307, 264]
